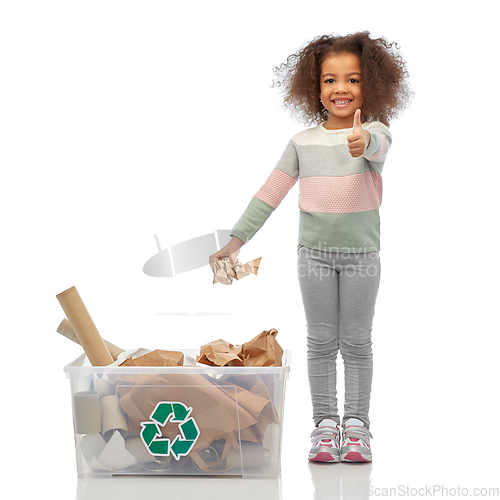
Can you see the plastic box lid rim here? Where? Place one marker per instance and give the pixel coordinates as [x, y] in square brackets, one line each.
[77, 367]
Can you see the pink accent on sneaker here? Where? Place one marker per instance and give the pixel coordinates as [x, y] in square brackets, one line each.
[322, 457]
[355, 456]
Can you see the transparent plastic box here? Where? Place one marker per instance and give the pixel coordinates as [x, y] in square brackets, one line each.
[183, 420]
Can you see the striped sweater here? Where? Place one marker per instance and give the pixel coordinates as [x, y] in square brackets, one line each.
[339, 196]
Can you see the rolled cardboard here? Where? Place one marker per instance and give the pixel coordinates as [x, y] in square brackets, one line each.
[84, 327]
[66, 329]
[102, 386]
[113, 417]
[87, 412]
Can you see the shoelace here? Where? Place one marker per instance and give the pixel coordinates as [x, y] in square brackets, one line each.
[355, 431]
[324, 433]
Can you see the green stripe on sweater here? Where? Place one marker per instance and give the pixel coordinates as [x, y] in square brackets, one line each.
[252, 219]
[351, 232]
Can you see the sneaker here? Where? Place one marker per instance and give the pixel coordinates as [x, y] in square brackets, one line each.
[326, 442]
[355, 442]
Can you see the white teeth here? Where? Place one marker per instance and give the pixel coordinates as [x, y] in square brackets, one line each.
[341, 102]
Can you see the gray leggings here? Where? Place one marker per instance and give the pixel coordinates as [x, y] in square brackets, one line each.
[339, 291]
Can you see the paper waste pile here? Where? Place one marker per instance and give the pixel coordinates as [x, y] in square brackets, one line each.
[221, 422]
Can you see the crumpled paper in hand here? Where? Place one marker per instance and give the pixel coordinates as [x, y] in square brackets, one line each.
[262, 350]
[225, 273]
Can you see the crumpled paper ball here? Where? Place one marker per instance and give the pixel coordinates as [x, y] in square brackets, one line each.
[224, 272]
[262, 350]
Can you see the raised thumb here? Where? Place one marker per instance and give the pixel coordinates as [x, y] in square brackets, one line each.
[357, 120]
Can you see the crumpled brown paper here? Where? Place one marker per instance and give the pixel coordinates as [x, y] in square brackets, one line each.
[262, 350]
[225, 273]
[156, 358]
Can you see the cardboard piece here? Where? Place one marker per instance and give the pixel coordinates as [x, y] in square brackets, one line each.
[112, 417]
[156, 358]
[262, 350]
[84, 327]
[66, 329]
[92, 446]
[224, 272]
[114, 455]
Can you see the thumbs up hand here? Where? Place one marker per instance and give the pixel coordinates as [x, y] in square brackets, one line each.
[359, 140]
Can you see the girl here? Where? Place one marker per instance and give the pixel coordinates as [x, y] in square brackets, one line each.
[349, 87]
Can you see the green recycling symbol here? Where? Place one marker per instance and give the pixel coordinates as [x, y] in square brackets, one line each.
[177, 413]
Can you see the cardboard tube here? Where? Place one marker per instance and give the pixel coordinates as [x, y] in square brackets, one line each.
[102, 386]
[113, 417]
[66, 329]
[87, 412]
[84, 327]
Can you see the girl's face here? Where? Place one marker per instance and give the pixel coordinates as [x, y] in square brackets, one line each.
[340, 89]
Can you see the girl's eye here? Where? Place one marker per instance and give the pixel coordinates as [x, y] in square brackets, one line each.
[351, 80]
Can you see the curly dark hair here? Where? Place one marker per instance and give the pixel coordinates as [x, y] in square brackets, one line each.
[385, 79]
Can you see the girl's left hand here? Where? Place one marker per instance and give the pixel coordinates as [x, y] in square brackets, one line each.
[359, 140]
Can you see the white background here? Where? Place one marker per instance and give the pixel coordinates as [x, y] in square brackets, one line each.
[125, 120]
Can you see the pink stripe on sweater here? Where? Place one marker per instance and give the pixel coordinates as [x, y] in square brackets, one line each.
[340, 195]
[275, 188]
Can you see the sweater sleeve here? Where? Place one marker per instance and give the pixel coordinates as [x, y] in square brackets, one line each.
[282, 178]
[380, 142]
